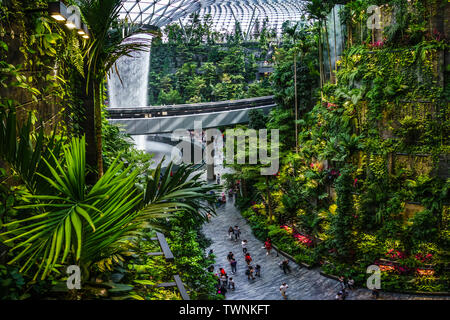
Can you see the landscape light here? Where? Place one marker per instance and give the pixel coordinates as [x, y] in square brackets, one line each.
[70, 25]
[83, 31]
[57, 10]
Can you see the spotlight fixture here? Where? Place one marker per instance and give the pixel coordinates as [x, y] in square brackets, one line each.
[57, 11]
[70, 25]
[83, 32]
[71, 17]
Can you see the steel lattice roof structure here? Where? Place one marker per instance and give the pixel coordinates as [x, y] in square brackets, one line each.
[224, 13]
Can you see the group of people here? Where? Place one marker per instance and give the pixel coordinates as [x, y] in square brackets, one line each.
[224, 283]
[344, 284]
[252, 271]
[234, 233]
[223, 199]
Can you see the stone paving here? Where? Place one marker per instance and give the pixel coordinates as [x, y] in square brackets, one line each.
[303, 284]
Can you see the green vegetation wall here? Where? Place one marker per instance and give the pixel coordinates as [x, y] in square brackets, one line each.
[196, 64]
[369, 183]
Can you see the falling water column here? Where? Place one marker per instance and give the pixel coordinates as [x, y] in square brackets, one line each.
[128, 79]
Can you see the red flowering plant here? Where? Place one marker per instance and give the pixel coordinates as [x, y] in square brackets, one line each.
[385, 266]
[435, 35]
[332, 106]
[303, 239]
[287, 228]
[402, 269]
[299, 237]
[332, 174]
[316, 166]
[425, 272]
[376, 45]
[395, 254]
[425, 258]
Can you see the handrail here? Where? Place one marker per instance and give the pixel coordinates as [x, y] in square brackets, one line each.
[179, 109]
[168, 255]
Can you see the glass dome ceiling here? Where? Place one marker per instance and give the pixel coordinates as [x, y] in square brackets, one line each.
[159, 12]
[224, 13]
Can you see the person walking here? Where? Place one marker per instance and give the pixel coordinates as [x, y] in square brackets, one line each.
[342, 282]
[244, 246]
[224, 280]
[285, 266]
[231, 284]
[248, 258]
[230, 232]
[230, 256]
[237, 233]
[258, 270]
[283, 289]
[218, 178]
[250, 271]
[224, 198]
[233, 264]
[375, 294]
[268, 246]
[351, 284]
[222, 290]
[230, 194]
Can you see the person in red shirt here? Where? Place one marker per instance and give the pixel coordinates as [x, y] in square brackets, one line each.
[248, 259]
[268, 246]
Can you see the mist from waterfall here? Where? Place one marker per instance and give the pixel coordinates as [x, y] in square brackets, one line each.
[129, 87]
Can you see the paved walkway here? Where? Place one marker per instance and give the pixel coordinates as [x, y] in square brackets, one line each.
[303, 284]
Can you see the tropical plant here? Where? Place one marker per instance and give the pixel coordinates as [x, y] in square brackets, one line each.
[25, 150]
[72, 222]
[80, 225]
[105, 48]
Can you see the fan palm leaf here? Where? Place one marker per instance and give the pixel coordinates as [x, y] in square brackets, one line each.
[75, 224]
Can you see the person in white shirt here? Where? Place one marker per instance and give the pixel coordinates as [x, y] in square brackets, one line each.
[244, 246]
[283, 289]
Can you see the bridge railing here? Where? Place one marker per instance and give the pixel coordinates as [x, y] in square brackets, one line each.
[185, 109]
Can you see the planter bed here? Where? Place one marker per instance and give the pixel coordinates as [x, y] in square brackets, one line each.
[427, 293]
[291, 257]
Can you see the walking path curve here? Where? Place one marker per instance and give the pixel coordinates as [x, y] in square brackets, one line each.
[303, 284]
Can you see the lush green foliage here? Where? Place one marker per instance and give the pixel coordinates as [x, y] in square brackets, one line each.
[197, 67]
[368, 184]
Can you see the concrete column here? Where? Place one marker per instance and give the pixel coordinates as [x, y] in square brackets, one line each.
[210, 157]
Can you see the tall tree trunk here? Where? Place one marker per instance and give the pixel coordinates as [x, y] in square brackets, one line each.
[269, 198]
[335, 43]
[328, 51]
[361, 30]
[89, 132]
[349, 35]
[98, 126]
[321, 69]
[296, 101]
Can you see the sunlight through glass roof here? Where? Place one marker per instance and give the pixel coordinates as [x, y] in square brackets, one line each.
[159, 12]
[224, 13]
